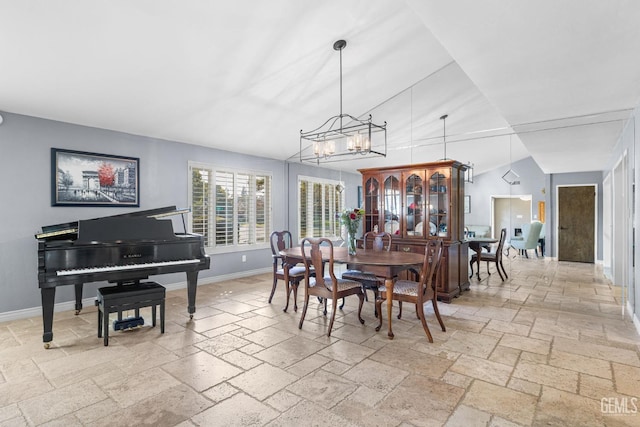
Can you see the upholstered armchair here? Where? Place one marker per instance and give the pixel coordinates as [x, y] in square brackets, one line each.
[530, 236]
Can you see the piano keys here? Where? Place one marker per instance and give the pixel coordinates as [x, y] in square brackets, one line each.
[119, 249]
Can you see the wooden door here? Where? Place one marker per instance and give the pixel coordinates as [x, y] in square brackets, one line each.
[576, 223]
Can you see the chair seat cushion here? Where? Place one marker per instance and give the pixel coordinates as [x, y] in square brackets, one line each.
[360, 276]
[293, 271]
[343, 284]
[485, 256]
[403, 287]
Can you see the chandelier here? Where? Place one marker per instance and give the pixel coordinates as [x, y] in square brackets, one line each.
[343, 136]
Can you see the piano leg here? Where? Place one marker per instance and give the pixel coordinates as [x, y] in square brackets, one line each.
[78, 298]
[48, 300]
[192, 284]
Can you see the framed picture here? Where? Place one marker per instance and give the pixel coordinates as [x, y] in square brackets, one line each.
[79, 178]
[467, 204]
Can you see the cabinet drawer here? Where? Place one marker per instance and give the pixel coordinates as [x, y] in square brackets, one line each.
[405, 247]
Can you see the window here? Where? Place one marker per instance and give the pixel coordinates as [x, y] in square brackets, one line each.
[230, 208]
[318, 206]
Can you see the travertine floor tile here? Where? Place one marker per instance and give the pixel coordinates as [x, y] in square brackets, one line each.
[507, 403]
[262, 381]
[543, 348]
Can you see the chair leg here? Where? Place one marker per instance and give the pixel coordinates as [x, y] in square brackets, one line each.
[526, 253]
[325, 306]
[304, 309]
[399, 309]
[499, 272]
[437, 312]
[361, 297]
[379, 302]
[471, 265]
[342, 305]
[273, 288]
[375, 294]
[421, 316]
[503, 270]
[488, 272]
[295, 296]
[333, 315]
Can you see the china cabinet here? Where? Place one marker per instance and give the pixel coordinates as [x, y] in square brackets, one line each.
[415, 203]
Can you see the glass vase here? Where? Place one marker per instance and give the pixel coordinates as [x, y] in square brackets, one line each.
[351, 243]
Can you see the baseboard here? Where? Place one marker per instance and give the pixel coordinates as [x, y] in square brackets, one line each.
[89, 302]
[634, 317]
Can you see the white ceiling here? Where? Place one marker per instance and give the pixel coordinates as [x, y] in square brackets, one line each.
[248, 75]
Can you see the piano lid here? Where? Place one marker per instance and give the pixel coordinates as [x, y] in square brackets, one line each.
[69, 230]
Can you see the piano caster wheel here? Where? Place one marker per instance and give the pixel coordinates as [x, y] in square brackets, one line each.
[77, 312]
[191, 317]
[47, 345]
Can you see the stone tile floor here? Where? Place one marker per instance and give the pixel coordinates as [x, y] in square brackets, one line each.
[547, 347]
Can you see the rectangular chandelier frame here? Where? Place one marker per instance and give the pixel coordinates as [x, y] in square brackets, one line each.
[333, 142]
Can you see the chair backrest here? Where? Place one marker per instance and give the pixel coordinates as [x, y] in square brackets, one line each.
[371, 237]
[280, 240]
[431, 265]
[531, 234]
[503, 237]
[312, 257]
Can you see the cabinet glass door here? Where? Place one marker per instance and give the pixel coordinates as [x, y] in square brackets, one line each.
[392, 205]
[414, 205]
[371, 204]
[439, 198]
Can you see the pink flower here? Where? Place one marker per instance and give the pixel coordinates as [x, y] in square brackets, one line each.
[353, 216]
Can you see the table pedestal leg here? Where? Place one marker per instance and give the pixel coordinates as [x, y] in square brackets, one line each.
[388, 283]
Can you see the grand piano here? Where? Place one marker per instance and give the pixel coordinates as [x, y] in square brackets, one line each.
[122, 249]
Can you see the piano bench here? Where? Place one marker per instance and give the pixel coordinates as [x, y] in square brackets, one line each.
[112, 299]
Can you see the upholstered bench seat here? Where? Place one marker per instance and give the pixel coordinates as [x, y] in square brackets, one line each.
[116, 299]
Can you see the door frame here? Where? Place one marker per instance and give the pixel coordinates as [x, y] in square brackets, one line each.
[595, 218]
[524, 197]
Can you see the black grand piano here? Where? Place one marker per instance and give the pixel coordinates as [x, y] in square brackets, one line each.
[120, 249]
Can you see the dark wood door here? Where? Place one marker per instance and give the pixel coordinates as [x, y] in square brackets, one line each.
[576, 223]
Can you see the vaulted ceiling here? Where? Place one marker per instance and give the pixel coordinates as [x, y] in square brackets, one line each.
[554, 80]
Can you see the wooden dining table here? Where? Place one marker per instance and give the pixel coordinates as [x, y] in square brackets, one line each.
[386, 264]
[476, 244]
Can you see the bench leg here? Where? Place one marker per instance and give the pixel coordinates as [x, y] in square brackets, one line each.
[99, 322]
[105, 324]
[153, 315]
[162, 316]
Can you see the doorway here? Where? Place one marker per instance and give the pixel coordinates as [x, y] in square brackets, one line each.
[510, 212]
[577, 223]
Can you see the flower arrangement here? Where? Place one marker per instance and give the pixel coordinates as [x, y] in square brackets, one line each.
[351, 218]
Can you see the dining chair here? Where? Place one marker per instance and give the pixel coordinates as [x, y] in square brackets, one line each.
[418, 292]
[529, 240]
[325, 284]
[495, 257]
[376, 242]
[281, 240]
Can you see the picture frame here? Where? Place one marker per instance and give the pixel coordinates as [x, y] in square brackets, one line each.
[80, 178]
[467, 204]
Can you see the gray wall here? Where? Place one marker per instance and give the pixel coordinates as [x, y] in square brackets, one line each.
[26, 201]
[488, 184]
[541, 186]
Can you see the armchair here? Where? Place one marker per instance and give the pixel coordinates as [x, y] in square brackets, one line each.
[530, 236]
